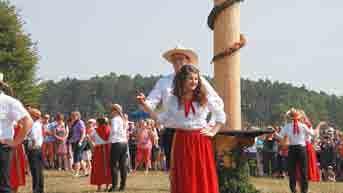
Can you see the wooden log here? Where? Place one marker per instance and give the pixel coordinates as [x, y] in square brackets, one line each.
[227, 70]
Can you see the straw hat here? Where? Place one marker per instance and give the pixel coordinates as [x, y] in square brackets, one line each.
[193, 57]
[293, 114]
[118, 108]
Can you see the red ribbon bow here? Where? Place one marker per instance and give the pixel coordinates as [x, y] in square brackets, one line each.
[188, 106]
[296, 130]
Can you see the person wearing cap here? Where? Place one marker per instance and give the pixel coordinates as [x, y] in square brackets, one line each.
[297, 133]
[178, 57]
[33, 149]
[11, 111]
[118, 139]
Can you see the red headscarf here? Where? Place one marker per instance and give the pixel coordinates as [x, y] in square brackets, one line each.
[103, 131]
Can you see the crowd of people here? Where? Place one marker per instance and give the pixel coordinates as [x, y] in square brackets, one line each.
[269, 155]
[97, 148]
[176, 137]
[112, 145]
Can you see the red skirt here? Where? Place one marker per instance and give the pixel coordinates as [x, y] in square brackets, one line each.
[313, 172]
[193, 167]
[17, 175]
[143, 155]
[101, 172]
[312, 167]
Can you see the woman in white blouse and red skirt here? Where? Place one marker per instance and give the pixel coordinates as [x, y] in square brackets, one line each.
[101, 171]
[193, 170]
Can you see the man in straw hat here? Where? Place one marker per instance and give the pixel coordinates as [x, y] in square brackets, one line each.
[178, 57]
[11, 111]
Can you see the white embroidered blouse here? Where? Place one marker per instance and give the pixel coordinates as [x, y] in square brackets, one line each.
[175, 117]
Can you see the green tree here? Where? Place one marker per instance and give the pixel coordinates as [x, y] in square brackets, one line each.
[18, 55]
[264, 102]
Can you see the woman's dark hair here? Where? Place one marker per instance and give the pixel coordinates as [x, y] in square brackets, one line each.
[102, 121]
[200, 92]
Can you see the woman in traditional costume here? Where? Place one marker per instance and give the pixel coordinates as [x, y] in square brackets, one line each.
[193, 167]
[101, 172]
[18, 164]
[312, 163]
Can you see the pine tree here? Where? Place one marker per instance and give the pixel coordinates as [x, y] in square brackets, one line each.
[18, 55]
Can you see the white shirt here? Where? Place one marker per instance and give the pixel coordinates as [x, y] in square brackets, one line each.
[11, 111]
[252, 149]
[36, 133]
[163, 89]
[118, 130]
[296, 139]
[174, 116]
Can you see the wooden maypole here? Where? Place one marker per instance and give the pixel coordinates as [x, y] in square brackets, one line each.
[224, 20]
[226, 31]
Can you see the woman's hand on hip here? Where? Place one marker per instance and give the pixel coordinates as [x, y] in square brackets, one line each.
[207, 132]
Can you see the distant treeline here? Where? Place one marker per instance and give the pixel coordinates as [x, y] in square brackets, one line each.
[263, 102]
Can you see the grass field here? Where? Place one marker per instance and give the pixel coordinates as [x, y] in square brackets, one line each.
[157, 182]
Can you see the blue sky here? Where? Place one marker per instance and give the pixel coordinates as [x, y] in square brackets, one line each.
[293, 41]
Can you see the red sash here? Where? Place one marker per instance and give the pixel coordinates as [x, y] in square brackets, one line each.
[103, 131]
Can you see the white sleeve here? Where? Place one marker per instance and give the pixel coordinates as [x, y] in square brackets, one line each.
[308, 131]
[212, 94]
[163, 117]
[115, 125]
[37, 131]
[18, 111]
[217, 110]
[155, 96]
[282, 133]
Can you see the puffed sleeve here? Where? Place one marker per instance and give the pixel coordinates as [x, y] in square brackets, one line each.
[162, 118]
[283, 131]
[308, 130]
[212, 94]
[155, 96]
[18, 111]
[217, 109]
[166, 116]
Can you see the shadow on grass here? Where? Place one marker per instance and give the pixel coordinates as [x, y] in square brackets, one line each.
[135, 190]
